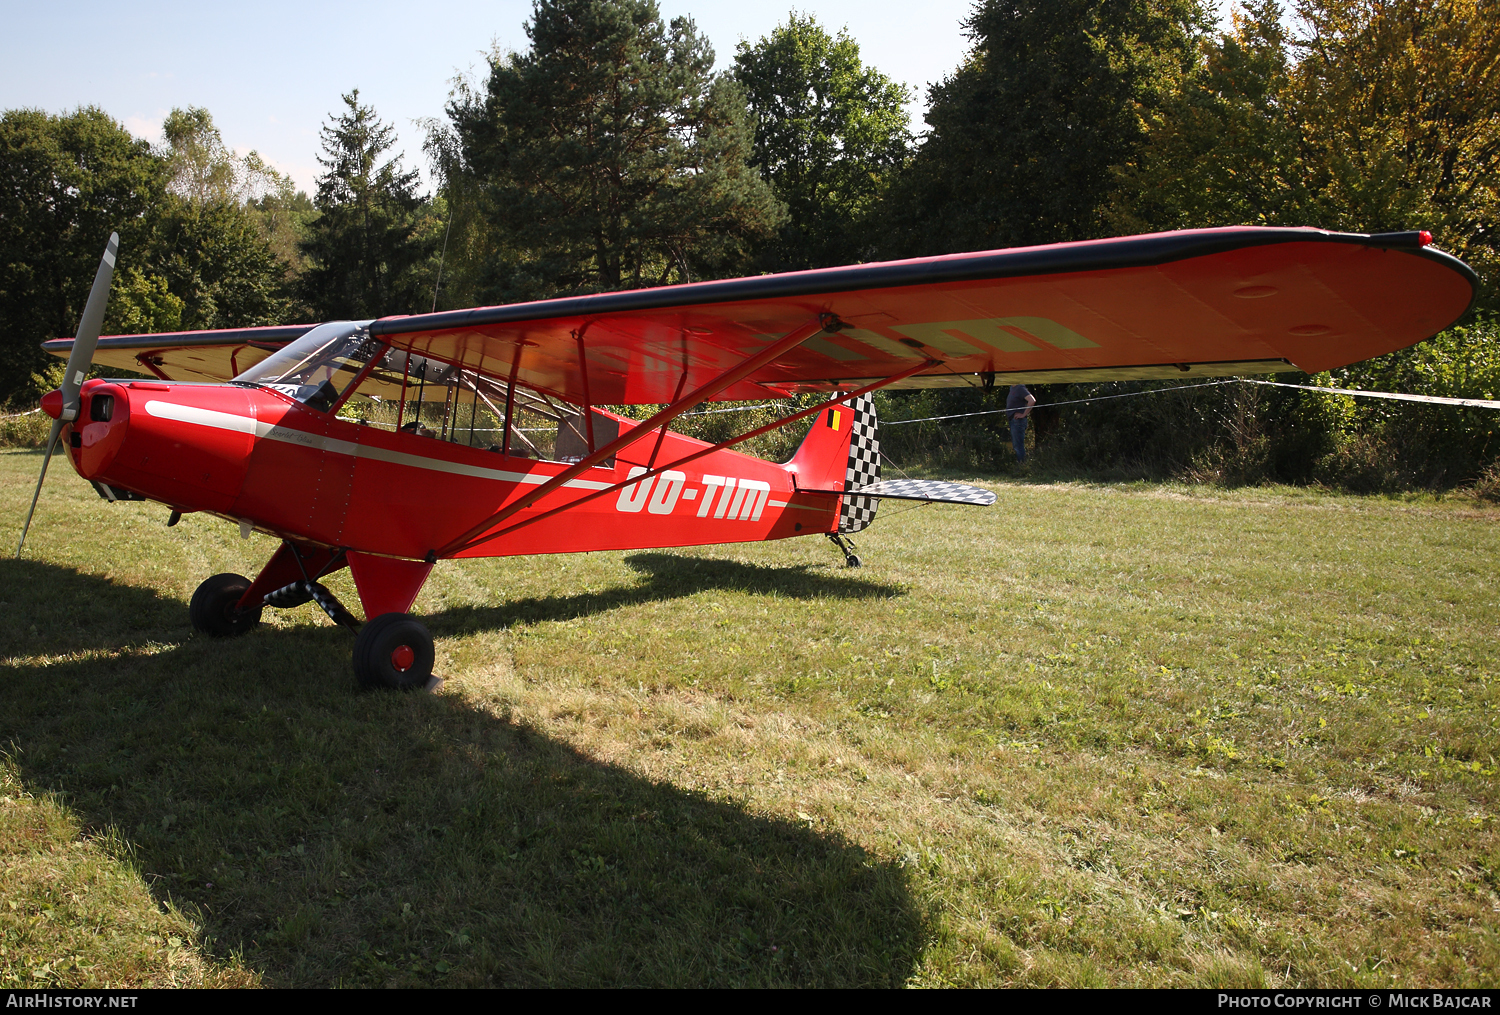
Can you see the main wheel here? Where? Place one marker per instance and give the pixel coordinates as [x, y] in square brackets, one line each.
[393, 650]
[214, 608]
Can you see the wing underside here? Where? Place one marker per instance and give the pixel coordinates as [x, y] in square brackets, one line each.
[1201, 303]
[187, 355]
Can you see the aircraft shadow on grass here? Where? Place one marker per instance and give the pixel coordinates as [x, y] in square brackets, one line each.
[669, 576]
[336, 836]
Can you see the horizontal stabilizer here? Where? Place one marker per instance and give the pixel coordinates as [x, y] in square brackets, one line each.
[934, 490]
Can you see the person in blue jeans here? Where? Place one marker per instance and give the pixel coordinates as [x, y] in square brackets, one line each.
[1018, 406]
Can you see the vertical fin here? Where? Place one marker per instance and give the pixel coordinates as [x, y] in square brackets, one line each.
[863, 469]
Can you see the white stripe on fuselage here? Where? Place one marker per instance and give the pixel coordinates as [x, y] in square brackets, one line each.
[287, 435]
[203, 417]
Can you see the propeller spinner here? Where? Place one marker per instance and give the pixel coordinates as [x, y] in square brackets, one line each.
[78, 366]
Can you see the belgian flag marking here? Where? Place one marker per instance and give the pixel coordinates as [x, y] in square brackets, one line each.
[835, 417]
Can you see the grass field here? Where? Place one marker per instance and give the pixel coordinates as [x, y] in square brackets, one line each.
[1095, 735]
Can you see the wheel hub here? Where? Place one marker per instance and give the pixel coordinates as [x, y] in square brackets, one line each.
[402, 658]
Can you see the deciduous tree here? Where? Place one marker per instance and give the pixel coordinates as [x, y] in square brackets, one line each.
[1398, 102]
[66, 181]
[205, 243]
[829, 134]
[1223, 148]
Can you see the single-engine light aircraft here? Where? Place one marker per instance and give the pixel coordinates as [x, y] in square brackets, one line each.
[388, 445]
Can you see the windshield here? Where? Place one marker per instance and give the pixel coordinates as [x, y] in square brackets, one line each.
[317, 367]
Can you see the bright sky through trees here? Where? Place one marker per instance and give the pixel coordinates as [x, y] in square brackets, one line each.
[271, 73]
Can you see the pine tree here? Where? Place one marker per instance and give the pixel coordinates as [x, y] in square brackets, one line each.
[610, 156]
[1026, 134]
[364, 249]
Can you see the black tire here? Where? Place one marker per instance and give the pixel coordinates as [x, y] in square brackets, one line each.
[393, 651]
[213, 607]
[853, 561]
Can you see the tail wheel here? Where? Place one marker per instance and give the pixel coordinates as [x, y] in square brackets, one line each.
[215, 610]
[394, 650]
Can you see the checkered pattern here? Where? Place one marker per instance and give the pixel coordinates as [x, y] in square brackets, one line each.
[932, 490]
[864, 466]
[299, 592]
[288, 596]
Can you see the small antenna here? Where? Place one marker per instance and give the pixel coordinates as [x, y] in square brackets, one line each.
[444, 255]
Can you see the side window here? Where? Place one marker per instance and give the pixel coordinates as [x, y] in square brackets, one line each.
[426, 397]
[382, 393]
[572, 443]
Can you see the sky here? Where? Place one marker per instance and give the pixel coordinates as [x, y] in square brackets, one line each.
[272, 73]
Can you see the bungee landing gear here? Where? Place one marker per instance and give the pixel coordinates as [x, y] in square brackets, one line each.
[392, 651]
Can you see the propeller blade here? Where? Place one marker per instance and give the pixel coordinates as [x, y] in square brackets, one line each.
[88, 330]
[78, 365]
[57, 426]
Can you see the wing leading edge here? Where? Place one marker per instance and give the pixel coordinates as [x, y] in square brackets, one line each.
[1213, 302]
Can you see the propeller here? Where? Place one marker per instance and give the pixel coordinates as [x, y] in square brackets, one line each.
[79, 361]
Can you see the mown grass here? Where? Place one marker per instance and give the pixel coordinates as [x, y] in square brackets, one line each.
[1112, 735]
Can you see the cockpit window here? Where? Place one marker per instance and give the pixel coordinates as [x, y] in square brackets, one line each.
[427, 397]
[317, 367]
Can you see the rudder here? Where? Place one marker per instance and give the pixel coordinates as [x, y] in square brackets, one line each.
[864, 466]
[843, 444]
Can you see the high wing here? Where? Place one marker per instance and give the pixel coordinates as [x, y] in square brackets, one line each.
[188, 355]
[1198, 303]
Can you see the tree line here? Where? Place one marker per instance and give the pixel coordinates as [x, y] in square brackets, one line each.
[611, 155]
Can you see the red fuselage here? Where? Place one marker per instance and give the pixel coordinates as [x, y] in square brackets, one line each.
[253, 454]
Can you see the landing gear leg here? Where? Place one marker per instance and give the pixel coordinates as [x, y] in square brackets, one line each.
[846, 547]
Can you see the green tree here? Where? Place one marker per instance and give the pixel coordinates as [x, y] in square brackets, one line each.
[1381, 115]
[283, 212]
[830, 133]
[205, 243]
[1373, 116]
[470, 241]
[66, 181]
[365, 250]
[1398, 103]
[203, 170]
[1224, 148]
[1024, 138]
[140, 304]
[610, 156]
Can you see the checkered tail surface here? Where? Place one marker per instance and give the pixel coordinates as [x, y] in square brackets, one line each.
[864, 466]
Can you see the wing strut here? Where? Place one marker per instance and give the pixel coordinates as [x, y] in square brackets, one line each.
[466, 543]
[729, 377]
[588, 402]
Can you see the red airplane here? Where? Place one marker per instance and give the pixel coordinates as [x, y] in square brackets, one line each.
[388, 445]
